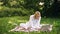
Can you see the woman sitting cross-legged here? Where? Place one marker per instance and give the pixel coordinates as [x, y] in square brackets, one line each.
[32, 25]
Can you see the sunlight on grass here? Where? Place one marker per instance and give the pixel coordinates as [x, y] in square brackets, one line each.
[8, 23]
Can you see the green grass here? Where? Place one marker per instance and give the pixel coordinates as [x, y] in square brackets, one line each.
[7, 23]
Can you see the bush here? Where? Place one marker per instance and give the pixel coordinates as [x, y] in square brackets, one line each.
[6, 11]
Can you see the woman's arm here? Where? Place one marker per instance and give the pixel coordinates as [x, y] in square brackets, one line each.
[39, 21]
[31, 21]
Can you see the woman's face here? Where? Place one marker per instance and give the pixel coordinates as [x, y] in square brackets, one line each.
[37, 16]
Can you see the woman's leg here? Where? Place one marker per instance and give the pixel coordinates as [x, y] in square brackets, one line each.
[17, 27]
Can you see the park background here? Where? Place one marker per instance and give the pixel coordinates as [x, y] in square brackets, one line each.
[14, 12]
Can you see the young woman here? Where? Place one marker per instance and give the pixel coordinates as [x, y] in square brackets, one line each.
[33, 24]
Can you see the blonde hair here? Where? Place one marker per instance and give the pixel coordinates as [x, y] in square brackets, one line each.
[36, 13]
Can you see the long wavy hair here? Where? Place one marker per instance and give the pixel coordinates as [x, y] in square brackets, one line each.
[37, 13]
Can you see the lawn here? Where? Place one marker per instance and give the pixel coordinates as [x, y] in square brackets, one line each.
[7, 23]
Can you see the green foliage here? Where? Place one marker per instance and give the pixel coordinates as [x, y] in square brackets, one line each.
[27, 7]
[5, 11]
